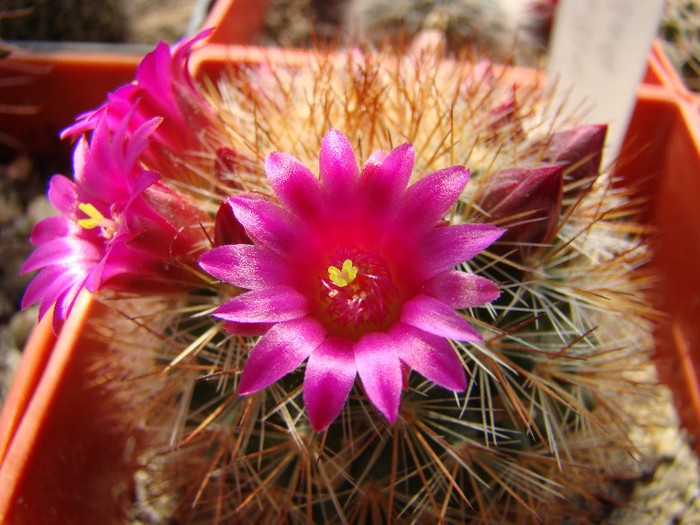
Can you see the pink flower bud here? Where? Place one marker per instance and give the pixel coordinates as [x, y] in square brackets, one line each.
[227, 229]
[527, 201]
[580, 150]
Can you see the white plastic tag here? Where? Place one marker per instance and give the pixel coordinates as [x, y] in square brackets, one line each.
[598, 55]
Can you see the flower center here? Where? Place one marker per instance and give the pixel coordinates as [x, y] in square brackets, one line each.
[358, 294]
[95, 219]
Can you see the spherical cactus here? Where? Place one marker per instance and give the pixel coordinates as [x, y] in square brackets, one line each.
[412, 293]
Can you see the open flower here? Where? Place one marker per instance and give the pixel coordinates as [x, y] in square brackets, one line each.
[354, 272]
[163, 88]
[117, 225]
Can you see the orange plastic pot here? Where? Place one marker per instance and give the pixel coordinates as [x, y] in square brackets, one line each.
[662, 148]
[44, 90]
[60, 462]
[236, 22]
[661, 72]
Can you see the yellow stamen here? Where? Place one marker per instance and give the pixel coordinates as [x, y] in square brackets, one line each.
[95, 218]
[345, 275]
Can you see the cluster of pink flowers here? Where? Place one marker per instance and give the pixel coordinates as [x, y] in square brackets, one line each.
[354, 271]
[119, 226]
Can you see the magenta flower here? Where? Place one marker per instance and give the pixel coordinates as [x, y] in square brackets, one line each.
[118, 227]
[356, 273]
[163, 88]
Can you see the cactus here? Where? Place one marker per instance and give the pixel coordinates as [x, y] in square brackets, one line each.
[679, 30]
[505, 29]
[543, 424]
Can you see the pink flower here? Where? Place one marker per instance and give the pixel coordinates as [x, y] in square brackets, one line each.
[163, 88]
[355, 273]
[118, 227]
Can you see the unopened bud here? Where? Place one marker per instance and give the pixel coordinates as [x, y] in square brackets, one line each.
[526, 201]
[227, 229]
[581, 152]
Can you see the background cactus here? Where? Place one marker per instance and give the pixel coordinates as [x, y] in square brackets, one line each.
[547, 426]
[680, 30]
[493, 25]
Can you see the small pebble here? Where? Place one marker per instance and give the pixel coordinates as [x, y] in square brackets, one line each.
[39, 208]
[21, 325]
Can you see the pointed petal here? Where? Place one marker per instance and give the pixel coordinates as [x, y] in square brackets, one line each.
[65, 282]
[384, 187]
[99, 173]
[297, 188]
[461, 289]
[379, 368]
[50, 228]
[427, 201]
[37, 289]
[447, 246]
[338, 168]
[246, 266]
[64, 250]
[153, 73]
[63, 194]
[64, 305]
[330, 374]
[247, 328]
[431, 356]
[435, 317]
[269, 305]
[280, 351]
[266, 224]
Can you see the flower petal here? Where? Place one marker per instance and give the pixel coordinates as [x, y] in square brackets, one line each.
[461, 289]
[297, 188]
[280, 351]
[64, 305]
[247, 328]
[427, 201]
[246, 266]
[281, 303]
[63, 193]
[266, 224]
[435, 317]
[66, 283]
[430, 355]
[447, 246]
[44, 281]
[63, 250]
[384, 186]
[379, 368]
[51, 228]
[330, 374]
[338, 168]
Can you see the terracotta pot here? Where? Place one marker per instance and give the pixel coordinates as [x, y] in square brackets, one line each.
[57, 459]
